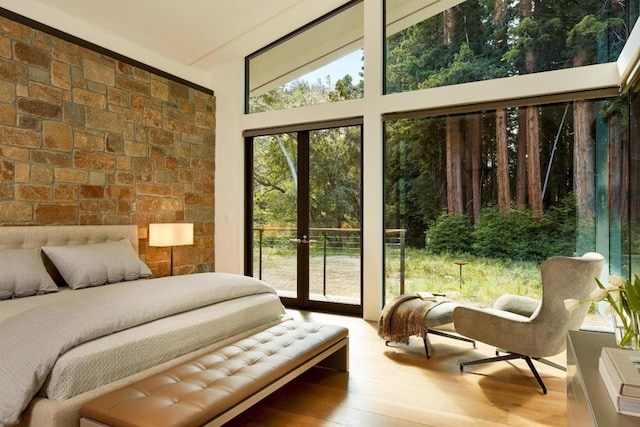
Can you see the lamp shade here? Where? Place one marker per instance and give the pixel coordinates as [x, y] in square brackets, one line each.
[171, 234]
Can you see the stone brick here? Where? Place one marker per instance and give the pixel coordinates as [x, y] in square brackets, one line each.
[132, 115]
[55, 213]
[38, 108]
[162, 177]
[5, 47]
[125, 178]
[41, 174]
[97, 178]
[185, 175]
[115, 143]
[91, 192]
[71, 175]
[33, 193]
[152, 118]
[103, 120]
[204, 120]
[7, 171]
[6, 192]
[14, 153]
[161, 137]
[39, 75]
[94, 161]
[160, 89]
[32, 55]
[29, 122]
[140, 164]
[7, 115]
[97, 206]
[171, 163]
[7, 91]
[19, 137]
[141, 102]
[45, 93]
[11, 211]
[150, 189]
[118, 97]
[180, 92]
[123, 207]
[22, 172]
[57, 136]
[170, 205]
[63, 193]
[73, 113]
[60, 75]
[92, 99]
[90, 219]
[51, 158]
[13, 72]
[123, 163]
[135, 149]
[115, 219]
[133, 85]
[120, 192]
[97, 87]
[17, 31]
[196, 199]
[86, 141]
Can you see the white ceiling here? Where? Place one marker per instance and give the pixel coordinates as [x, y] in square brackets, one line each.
[188, 38]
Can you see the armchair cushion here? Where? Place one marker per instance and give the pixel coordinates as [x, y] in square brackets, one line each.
[524, 306]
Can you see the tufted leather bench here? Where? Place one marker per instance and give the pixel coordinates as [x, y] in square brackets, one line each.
[214, 388]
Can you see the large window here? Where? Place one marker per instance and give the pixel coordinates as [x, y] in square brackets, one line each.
[439, 43]
[482, 198]
[322, 62]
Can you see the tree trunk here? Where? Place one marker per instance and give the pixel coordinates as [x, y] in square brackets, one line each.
[454, 166]
[583, 163]
[474, 140]
[533, 160]
[521, 166]
[504, 195]
[454, 138]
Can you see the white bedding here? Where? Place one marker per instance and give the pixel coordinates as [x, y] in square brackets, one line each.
[33, 339]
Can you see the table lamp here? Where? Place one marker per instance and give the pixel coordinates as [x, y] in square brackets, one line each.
[170, 234]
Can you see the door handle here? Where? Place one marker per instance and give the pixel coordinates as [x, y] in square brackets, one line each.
[303, 240]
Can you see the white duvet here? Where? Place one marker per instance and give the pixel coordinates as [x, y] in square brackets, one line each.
[32, 341]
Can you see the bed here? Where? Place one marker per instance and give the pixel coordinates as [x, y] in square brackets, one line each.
[69, 337]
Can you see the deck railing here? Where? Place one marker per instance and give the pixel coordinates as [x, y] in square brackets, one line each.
[327, 241]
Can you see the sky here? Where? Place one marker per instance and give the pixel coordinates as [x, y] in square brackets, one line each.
[349, 64]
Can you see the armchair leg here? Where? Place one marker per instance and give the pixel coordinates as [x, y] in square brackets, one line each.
[512, 356]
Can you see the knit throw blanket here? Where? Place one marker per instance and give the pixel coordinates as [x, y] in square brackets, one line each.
[404, 316]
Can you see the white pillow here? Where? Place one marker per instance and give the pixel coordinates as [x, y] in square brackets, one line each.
[22, 274]
[96, 264]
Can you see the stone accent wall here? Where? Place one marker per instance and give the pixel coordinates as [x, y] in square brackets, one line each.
[88, 139]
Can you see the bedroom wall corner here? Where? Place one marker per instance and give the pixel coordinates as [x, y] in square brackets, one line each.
[86, 138]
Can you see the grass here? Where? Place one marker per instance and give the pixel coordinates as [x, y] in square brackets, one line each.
[483, 279]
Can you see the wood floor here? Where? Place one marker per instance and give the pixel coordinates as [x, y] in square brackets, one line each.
[399, 387]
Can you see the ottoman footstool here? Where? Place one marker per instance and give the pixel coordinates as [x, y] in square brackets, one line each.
[409, 315]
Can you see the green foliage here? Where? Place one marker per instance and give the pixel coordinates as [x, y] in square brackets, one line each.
[450, 234]
[513, 235]
[509, 235]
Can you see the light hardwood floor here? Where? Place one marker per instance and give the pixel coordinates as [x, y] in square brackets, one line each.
[399, 387]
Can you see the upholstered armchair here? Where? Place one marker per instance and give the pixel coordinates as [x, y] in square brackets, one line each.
[528, 328]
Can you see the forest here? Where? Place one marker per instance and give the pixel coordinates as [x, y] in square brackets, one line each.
[526, 156]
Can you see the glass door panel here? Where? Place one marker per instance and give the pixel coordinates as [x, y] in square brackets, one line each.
[334, 215]
[275, 188]
[305, 235]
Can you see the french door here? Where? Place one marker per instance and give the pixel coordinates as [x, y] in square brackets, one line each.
[303, 216]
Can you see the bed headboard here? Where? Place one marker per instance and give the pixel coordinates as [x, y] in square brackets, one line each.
[31, 237]
[36, 236]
